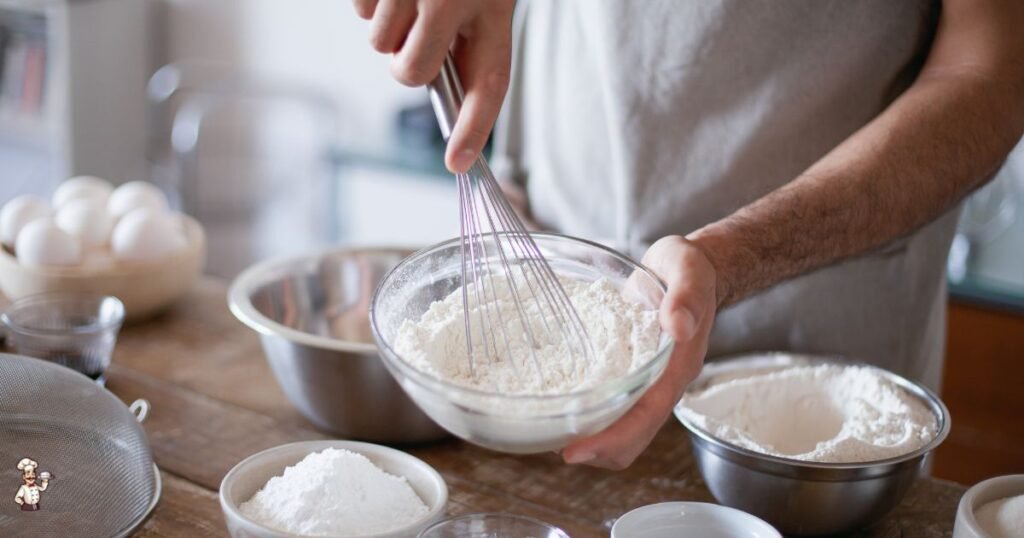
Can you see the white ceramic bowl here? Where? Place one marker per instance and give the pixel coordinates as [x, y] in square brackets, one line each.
[981, 493]
[246, 478]
[144, 288]
[674, 519]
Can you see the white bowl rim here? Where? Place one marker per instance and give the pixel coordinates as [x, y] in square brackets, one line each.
[965, 509]
[240, 303]
[427, 378]
[930, 397]
[750, 519]
[354, 446]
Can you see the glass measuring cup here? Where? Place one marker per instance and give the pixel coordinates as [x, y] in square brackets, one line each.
[71, 329]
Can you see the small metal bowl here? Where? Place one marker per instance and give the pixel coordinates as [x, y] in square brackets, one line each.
[799, 497]
[312, 316]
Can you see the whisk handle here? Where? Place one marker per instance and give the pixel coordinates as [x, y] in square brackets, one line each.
[446, 96]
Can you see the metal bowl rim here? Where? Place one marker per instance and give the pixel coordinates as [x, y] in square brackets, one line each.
[658, 360]
[262, 273]
[881, 466]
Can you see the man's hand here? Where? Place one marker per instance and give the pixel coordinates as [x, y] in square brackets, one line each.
[418, 35]
[686, 314]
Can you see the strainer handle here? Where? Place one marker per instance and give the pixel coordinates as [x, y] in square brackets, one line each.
[139, 408]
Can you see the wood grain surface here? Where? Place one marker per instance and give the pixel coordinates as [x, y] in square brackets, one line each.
[215, 402]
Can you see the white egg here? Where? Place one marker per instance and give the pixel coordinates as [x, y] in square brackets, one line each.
[81, 187]
[41, 242]
[146, 235]
[135, 195]
[19, 212]
[86, 219]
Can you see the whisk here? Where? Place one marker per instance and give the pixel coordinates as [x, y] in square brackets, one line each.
[494, 241]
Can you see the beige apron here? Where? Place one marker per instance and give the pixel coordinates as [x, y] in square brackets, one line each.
[628, 121]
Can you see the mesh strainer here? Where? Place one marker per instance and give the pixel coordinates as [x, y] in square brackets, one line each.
[104, 481]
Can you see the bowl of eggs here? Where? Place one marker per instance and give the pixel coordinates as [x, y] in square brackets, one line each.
[93, 237]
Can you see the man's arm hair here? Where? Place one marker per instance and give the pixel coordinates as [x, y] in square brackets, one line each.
[944, 137]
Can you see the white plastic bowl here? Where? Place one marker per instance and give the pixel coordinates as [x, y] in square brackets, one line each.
[674, 519]
[246, 478]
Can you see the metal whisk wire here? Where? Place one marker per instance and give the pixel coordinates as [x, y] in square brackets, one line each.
[496, 242]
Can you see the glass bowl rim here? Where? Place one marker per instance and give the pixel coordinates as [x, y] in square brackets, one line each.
[423, 378]
[7, 316]
[492, 515]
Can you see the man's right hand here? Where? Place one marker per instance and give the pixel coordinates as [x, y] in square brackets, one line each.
[418, 35]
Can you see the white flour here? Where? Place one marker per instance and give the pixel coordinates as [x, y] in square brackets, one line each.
[624, 335]
[1003, 518]
[826, 413]
[335, 493]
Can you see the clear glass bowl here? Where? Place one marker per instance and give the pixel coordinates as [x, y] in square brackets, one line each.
[491, 526]
[75, 330]
[513, 423]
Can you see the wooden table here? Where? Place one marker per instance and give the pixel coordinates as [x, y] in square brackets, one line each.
[215, 402]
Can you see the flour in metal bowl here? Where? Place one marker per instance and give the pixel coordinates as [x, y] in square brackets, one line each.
[824, 413]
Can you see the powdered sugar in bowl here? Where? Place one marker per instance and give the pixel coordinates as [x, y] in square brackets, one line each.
[332, 488]
[512, 416]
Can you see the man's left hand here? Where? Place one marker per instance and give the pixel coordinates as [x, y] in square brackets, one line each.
[686, 313]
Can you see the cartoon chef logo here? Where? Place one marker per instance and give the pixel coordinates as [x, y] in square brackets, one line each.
[28, 493]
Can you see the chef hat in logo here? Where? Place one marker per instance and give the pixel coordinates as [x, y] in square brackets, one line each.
[27, 464]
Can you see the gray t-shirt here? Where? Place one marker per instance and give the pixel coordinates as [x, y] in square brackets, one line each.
[629, 121]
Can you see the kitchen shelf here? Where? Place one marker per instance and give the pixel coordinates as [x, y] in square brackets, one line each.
[72, 90]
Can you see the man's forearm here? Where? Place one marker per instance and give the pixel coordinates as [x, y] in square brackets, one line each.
[947, 134]
[935, 144]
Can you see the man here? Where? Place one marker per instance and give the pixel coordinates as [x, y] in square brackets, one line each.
[794, 166]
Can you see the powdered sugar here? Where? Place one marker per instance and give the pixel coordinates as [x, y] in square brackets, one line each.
[824, 413]
[624, 335]
[335, 493]
[1003, 518]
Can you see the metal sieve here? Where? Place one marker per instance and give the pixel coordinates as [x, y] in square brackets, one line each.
[103, 483]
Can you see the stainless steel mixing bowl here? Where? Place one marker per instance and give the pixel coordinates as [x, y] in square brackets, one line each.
[798, 497]
[312, 316]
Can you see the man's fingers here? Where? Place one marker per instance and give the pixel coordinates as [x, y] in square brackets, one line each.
[685, 308]
[420, 58]
[365, 8]
[618, 445]
[484, 69]
[391, 22]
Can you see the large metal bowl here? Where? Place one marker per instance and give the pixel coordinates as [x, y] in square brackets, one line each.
[799, 497]
[312, 316]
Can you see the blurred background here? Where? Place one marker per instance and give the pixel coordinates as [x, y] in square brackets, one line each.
[276, 125]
